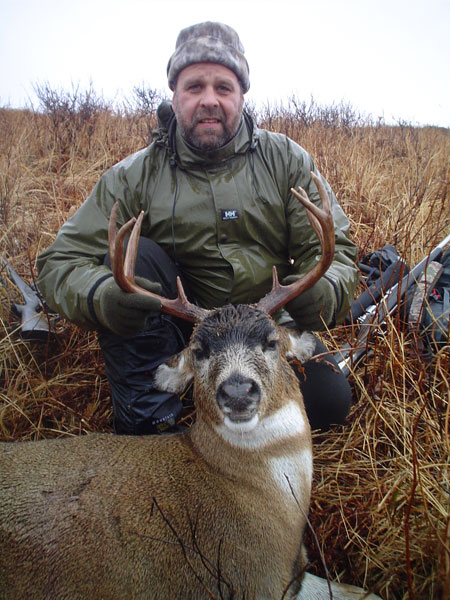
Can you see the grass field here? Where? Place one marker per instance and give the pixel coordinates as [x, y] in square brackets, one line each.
[380, 508]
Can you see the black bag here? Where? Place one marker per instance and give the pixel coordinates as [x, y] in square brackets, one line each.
[381, 270]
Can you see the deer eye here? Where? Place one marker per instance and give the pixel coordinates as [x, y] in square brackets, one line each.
[270, 345]
[200, 353]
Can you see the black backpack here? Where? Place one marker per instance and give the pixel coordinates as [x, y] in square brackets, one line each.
[382, 269]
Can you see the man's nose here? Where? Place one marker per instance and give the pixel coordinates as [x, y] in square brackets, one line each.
[209, 97]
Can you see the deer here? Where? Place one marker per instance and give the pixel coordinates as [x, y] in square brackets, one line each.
[217, 511]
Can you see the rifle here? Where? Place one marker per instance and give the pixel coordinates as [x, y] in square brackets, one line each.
[376, 313]
[34, 324]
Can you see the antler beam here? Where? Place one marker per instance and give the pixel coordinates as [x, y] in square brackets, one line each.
[123, 270]
[321, 220]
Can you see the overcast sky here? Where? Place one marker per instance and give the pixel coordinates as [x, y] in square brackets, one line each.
[388, 58]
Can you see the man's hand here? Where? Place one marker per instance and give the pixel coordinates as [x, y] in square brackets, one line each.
[124, 313]
[314, 309]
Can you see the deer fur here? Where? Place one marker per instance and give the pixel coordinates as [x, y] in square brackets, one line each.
[217, 511]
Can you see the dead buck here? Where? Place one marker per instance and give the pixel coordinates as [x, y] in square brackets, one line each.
[217, 511]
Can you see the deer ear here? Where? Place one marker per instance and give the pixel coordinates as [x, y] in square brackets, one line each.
[174, 375]
[302, 346]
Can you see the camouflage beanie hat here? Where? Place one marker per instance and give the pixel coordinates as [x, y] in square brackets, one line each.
[209, 42]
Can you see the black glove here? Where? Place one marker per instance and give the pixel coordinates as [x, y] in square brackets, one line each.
[315, 309]
[124, 313]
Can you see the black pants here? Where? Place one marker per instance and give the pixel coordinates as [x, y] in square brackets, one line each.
[140, 409]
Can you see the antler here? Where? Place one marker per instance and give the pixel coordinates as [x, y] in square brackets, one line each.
[321, 220]
[123, 270]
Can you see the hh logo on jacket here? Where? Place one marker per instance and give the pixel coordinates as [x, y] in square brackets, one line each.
[229, 214]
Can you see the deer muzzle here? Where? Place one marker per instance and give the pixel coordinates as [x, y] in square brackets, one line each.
[238, 397]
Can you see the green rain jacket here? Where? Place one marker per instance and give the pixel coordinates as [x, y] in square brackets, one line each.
[225, 218]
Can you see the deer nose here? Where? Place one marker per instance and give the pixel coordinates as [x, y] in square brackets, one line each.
[238, 396]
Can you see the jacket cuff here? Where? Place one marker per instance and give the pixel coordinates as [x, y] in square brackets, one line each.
[338, 299]
[90, 298]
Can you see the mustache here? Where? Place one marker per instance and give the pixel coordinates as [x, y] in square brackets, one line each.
[216, 113]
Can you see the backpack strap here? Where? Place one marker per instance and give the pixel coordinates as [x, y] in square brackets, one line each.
[426, 283]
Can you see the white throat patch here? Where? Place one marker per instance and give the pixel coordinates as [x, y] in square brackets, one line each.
[286, 422]
[292, 473]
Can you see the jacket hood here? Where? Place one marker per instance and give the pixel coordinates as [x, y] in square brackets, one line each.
[186, 156]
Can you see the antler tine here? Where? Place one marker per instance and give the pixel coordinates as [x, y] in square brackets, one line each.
[131, 252]
[302, 197]
[123, 270]
[116, 244]
[321, 221]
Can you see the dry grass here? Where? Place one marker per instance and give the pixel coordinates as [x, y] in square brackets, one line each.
[380, 506]
[382, 483]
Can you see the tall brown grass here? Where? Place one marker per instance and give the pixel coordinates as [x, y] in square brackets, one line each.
[380, 507]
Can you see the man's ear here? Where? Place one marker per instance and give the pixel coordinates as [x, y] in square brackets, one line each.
[173, 102]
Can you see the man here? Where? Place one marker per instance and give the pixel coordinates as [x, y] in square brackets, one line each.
[215, 191]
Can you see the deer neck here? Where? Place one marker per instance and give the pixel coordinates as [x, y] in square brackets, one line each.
[275, 455]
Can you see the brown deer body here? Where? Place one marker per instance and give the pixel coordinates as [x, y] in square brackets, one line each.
[215, 508]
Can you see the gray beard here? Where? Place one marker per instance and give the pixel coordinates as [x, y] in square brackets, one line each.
[208, 143]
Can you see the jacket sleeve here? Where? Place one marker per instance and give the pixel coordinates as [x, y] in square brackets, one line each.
[304, 246]
[70, 270]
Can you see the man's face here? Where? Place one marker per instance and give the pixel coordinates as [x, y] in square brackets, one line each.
[208, 103]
